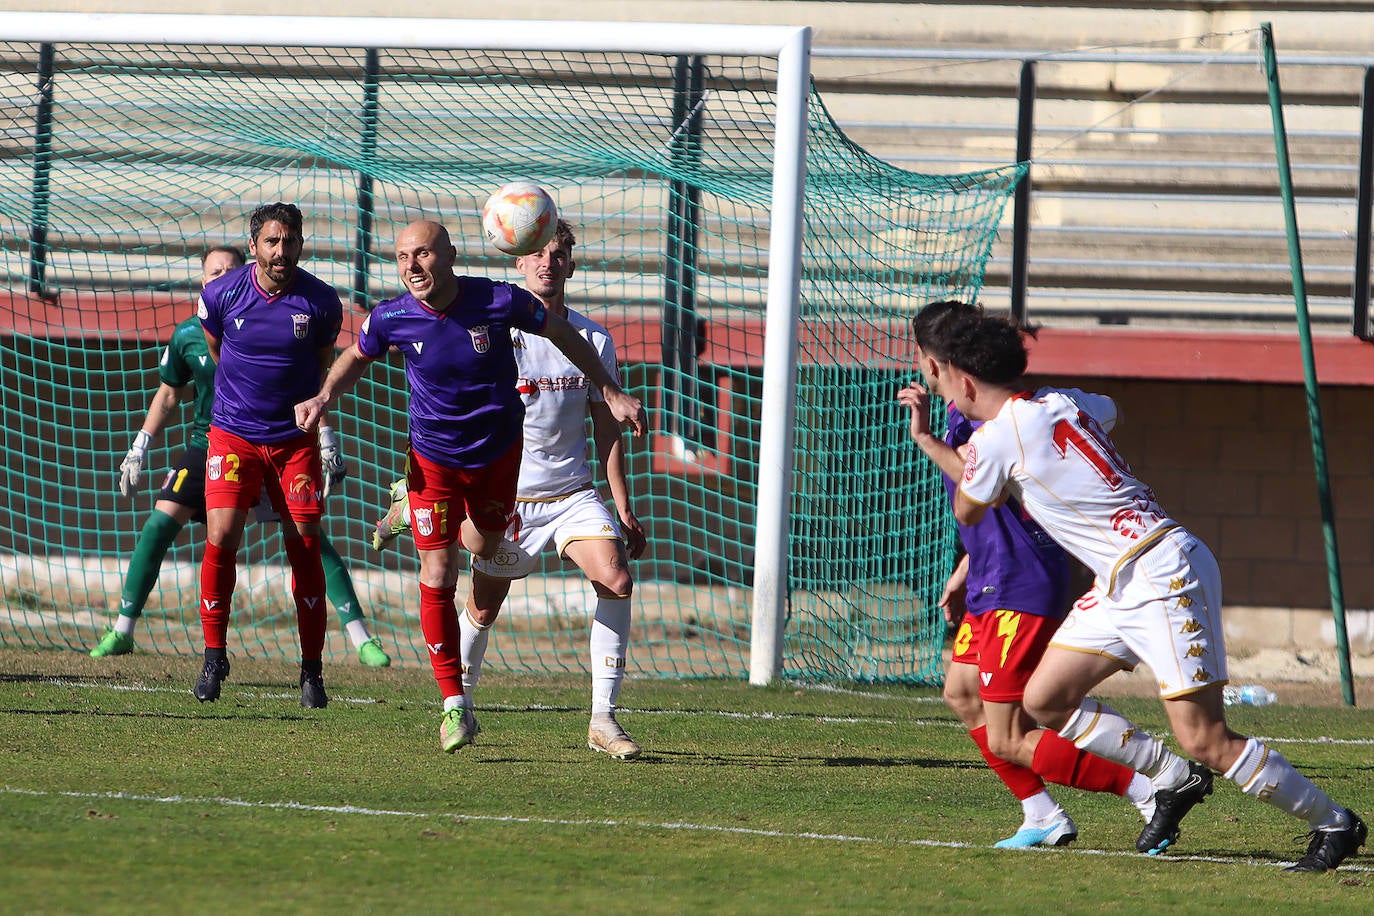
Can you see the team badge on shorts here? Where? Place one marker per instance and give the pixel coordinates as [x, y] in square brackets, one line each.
[481, 337]
[424, 520]
[214, 468]
[300, 323]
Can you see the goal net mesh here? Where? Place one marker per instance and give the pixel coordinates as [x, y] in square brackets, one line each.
[121, 164]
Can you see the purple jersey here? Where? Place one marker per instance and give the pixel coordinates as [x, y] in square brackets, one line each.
[270, 346]
[464, 408]
[1012, 563]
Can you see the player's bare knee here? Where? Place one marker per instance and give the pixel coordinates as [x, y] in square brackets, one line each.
[614, 586]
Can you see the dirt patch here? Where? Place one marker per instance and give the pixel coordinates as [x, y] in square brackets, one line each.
[1300, 678]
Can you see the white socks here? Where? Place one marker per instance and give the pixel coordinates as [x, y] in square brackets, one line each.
[472, 643]
[1098, 728]
[610, 635]
[1263, 772]
[1039, 809]
[357, 632]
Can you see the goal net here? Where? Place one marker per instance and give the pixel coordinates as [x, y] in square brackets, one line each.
[126, 156]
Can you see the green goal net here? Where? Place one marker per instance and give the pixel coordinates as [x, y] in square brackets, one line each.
[121, 163]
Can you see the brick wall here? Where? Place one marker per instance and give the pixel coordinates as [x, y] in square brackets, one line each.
[1233, 462]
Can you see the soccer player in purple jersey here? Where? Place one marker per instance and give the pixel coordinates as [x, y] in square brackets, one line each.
[1006, 597]
[466, 421]
[271, 328]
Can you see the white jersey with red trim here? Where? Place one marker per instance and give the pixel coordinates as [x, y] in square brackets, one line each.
[557, 396]
[1053, 448]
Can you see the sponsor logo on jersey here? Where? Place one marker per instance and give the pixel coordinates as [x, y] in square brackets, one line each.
[424, 520]
[481, 337]
[526, 386]
[394, 313]
[214, 468]
[300, 324]
[302, 488]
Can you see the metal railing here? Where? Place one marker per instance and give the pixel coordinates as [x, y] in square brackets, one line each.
[1171, 218]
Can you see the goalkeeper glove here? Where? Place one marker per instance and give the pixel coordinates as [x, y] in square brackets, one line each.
[131, 469]
[331, 458]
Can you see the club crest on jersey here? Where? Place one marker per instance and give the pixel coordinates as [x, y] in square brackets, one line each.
[481, 337]
[300, 323]
[424, 520]
[214, 468]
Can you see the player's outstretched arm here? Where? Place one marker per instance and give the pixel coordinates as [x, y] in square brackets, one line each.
[626, 408]
[610, 449]
[343, 375]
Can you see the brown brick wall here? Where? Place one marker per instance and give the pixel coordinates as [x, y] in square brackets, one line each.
[1234, 463]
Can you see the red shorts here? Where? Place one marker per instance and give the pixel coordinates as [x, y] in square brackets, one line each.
[1006, 646]
[441, 497]
[236, 471]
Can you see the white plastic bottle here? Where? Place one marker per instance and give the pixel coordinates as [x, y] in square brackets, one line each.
[1248, 695]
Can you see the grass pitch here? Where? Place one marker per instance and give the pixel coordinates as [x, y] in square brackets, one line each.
[120, 793]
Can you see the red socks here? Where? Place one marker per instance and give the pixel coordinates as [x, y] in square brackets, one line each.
[439, 624]
[1021, 781]
[307, 588]
[217, 576]
[1060, 761]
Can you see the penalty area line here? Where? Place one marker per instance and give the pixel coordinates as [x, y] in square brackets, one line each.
[360, 811]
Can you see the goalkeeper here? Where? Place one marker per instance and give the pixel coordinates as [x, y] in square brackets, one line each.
[186, 362]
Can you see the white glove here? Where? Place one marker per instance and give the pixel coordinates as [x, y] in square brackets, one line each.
[331, 458]
[131, 469]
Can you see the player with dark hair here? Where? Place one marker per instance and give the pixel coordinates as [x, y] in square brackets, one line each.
[556, 500]
[465, 422]
[186, 364]
[1006, 597]
[1156, 596]
[271, 328]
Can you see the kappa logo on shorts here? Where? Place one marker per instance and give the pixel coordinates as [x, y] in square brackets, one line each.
[481, 337]
[424, 520]
[300, 324]
[214, 468]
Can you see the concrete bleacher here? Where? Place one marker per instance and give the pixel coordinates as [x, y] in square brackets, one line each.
[1155, 184]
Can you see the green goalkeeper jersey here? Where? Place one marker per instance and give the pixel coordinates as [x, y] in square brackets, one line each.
[187, 361]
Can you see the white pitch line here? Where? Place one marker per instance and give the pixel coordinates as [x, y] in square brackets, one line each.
[724, 714]
[620, 825]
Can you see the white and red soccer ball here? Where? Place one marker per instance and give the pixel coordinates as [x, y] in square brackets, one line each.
[520, 218]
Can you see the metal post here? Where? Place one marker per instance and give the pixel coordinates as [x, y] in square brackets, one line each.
[42, 172]
[366, 206]
[1362, 209]
[1314, 407]
[1020, 220]
[680, 261]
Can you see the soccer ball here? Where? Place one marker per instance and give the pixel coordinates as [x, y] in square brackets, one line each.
[520, 218]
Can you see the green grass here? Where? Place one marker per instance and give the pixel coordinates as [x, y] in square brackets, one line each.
[120, 793]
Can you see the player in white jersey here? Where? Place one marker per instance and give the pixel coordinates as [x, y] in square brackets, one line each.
[557, 501]
[1156, 596]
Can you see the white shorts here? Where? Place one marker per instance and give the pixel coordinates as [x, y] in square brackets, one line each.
[580, 516]
[1167, 614]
